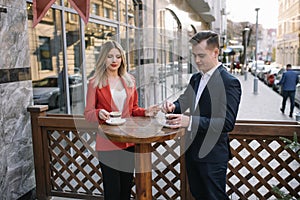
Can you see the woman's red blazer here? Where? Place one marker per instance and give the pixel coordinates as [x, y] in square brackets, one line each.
[101, 98]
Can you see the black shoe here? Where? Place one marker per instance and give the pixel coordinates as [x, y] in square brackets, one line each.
[290, 115]
[281, 110]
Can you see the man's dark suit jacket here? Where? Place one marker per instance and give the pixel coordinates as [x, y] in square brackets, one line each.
[214, 116]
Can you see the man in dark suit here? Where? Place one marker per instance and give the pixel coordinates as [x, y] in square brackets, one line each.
[212, 98]
[288, 81]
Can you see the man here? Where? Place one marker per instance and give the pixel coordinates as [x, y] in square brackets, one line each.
[212, 97]
[288, 84]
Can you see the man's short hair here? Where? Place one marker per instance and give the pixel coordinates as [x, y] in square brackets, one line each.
[212, 39]
[288, 66]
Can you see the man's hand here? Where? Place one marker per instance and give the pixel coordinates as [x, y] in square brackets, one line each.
[168, 107]
[177, 120]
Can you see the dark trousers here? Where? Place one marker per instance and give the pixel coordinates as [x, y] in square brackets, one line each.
[117, 172]
[207, 180]
[291, 95]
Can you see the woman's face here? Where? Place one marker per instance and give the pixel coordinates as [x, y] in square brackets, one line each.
[113, 60]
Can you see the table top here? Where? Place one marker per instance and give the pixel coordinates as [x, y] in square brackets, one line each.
[141, 130]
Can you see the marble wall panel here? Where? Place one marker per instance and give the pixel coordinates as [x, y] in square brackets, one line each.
[14, 42]
[13, 4]
[16, 154]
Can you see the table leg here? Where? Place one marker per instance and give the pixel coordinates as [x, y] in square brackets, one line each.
[143, 180]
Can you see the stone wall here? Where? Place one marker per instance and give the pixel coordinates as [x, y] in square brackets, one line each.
[16, 155]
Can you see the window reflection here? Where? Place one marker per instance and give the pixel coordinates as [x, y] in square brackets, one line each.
[95, 36]
[50, 77]
[74, 64]
[126, 14]
[46, 58]
[50, 60]
[106, 9]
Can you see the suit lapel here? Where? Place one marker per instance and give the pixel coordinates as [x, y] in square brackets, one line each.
[195, 88]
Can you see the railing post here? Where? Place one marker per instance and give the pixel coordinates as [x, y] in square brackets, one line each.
[37, 143]
[185, 188]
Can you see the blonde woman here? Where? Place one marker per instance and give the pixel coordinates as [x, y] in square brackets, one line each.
[113, 89]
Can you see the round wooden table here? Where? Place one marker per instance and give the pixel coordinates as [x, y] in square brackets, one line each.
[142, 131]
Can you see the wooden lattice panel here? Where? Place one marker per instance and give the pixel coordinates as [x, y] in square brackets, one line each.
[66, 163]
[166, 175]
[74, 167]
[260, 164]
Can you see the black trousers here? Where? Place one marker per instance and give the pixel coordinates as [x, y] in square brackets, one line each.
[207, 180]
[117, 169]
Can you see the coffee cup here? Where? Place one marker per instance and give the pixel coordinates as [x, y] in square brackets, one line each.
[115, 116]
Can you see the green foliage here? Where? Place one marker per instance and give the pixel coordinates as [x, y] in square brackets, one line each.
[292, 144]
[283, 196]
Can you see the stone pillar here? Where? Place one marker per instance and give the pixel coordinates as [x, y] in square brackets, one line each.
[16, 155]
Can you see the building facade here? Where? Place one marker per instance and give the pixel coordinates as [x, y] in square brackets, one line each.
[288, 33]
[52, 63]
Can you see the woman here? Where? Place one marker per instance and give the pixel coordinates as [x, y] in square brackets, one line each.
[113, 89]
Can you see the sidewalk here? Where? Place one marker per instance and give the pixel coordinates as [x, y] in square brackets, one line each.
[264, 105]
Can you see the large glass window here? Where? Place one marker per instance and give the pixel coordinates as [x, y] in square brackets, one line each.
[46, 58]
[56, 49]
[74, 66]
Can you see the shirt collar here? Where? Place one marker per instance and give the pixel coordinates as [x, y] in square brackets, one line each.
[211, 71]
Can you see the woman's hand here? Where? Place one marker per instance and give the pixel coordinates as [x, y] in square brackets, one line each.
[152, 111]
[104, 115]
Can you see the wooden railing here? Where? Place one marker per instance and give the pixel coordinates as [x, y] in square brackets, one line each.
[66, 164]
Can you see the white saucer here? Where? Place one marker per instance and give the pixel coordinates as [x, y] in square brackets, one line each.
[115, 122]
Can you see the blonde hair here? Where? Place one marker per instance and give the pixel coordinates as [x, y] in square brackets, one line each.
[100, 76]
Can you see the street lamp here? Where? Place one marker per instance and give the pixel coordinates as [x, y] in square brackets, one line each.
[245, 39]
[255, 86]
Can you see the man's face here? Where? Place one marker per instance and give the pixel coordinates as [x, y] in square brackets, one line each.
[205, 58]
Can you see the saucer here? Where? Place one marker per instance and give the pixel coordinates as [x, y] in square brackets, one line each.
[115, 122]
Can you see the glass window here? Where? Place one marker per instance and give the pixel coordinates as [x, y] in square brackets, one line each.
[44, 53]
[106, 12]
[55, 68]
[95, 36]
[122, 10]
[132, 57]
[129, 16]
[74, 63]
[46, 58]
[95, 9]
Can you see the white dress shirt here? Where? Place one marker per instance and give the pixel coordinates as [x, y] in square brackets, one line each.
[203, 82]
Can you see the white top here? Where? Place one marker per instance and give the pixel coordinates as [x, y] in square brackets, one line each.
[119, 97]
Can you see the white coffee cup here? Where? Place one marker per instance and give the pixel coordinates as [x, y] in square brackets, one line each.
[115, 116]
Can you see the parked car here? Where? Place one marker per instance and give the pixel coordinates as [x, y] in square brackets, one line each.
[269, 77]
[47, 91]
[262, 71]
[297, 95]
[260, 65]
[277, 87]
